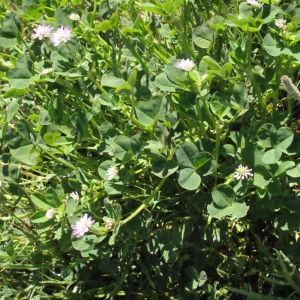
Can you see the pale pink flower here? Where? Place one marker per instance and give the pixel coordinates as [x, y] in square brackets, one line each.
[49, 213]
[109, 223]
[280, 23]
[242, 173]
[290, 87]
[42, 31]
[83, 225]
[61, 35]
[185, 64]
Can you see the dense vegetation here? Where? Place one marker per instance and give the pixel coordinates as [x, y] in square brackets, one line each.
[149, 150]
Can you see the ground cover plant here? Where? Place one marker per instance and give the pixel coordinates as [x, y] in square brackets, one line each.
[149, 150]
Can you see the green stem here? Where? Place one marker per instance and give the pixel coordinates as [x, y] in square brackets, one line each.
[201, 126]
[62, 161]
[96, 83]
[183, 31]
[146, 203]
[209, 114]
[252, 78]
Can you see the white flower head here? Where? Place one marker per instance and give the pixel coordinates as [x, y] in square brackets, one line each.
[61, 35]
[42, 31]
[74, 17]
[280, 23]
[290, 87]
[84, 187]
[109, 223]
[47, 71]
[83, 225]
[242, 173]
[50, 213]
[74, 195]
[112, 171]
[254, 3]
[185, 64]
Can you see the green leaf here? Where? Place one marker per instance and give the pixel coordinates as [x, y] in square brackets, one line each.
[274, 188]
[13, 93]
[86, 242]
[9, 30]
[285, 138]
[151, 7]
[185, 154]
[189, 179]
[51, 137]
[162, 81]
[237, 21]
[267, 135]
[203, 278]
[39, 217]
[272, 156]
[145, 113]
[12, 110]
[45, 118]
[237, 210]
[203, 36]
[108, 24]
[223, 195]
[217, 23]
[269, 12]
[25, 129]
[19, 78]
[170, 6]
[164, 168]
[52, 198]
[121, 145]
[238, 139]
[283, 167]
[62, 14]
[295, 172]
[40, 201]
[192, 273]
[103, 26]
[226, 70]
[262, 177]
[33, 12]
[60, 63]
[22, 152]
[239, 97]
[252, 154]
[273, 47]
[204, 163]
[111, 81]
[114, 188]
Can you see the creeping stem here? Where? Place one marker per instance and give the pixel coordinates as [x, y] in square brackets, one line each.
[146, 203]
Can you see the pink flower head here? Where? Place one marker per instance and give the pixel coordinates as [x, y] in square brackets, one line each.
[185, 64]
[61, 35]
[242, 173]
[50, 213]
[83, 225]
[42, 31]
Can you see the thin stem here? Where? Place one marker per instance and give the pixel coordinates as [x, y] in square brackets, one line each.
[90, 76]
[252, 78]
[201, 125]
[146, 203]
